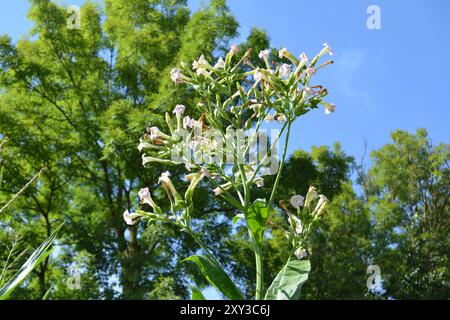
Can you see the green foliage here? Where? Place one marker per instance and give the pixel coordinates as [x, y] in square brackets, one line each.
[216, 276]
[342, 249]
[409, 192]
[288, 282]
[37, 257]
[76, 101]
[196, 294]
[256, 217]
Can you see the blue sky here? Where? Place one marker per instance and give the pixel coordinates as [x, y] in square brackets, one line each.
[382, 80]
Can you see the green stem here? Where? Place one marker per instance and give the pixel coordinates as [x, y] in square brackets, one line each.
[201, 244]
[259, 272]
[277, 179]
[257, 248]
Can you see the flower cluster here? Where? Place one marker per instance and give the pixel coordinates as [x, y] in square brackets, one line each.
[309, 212]
[234, 95]
[285, 90]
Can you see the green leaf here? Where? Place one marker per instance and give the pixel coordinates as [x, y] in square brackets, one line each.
[39, 255]
[45, 297]
[237, 217]
[288, 282]
[216, 276]
[256, 217]
[197, 294]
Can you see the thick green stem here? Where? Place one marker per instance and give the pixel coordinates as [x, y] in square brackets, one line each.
[259, 273]
[256, 247]
[277, 179]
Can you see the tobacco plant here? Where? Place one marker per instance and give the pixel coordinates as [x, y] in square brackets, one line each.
[229, 150]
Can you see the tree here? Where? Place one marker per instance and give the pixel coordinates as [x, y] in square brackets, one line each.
[395, 215]
[409, 185]
[76, 101]
[397, 218]
[341, 251]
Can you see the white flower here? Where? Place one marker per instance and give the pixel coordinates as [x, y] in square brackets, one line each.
[179, 110]
[257, 75]
[281, 118]
[154, 131]
[131, 218]
[303, 58]
[283, 52]
[259, 182]
[201, 63]
[296, 224]
[234, 49]
[127, 218]
[217, 191]
[264, 54]
[175, 75]
[320, 205]
[145, 197]
[165, 177]
[300, 253]
[220, 64]
[307, 90]
[202, 72]
[188, 122]
[297, 201]
[326, 49]
[310, 196]
[285, 70]
[143, 145]
[269, 118]
[329, 108]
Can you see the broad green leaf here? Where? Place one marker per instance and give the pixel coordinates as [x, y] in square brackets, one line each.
[39, 255]
[256, 218]
[196, 294]
[216, 276]
[288, 282]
